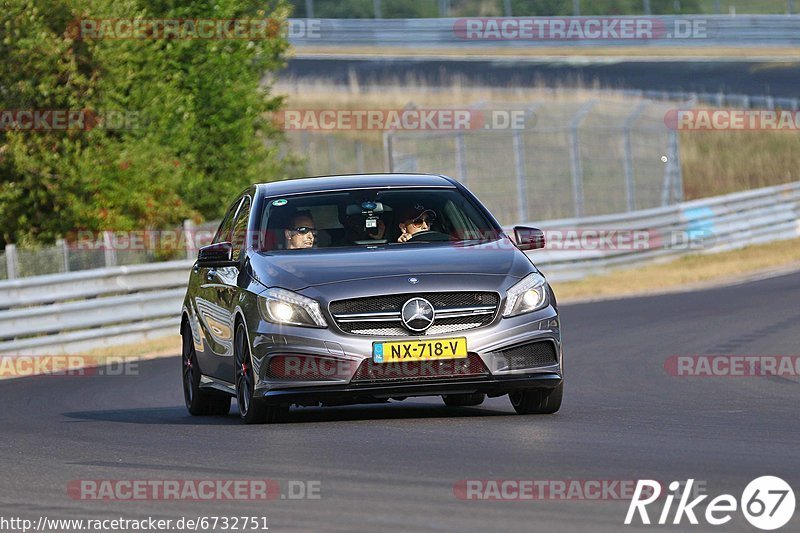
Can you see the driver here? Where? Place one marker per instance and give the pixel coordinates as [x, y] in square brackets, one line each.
[301, 232]
[415, 220]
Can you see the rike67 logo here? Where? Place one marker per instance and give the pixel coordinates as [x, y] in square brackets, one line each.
[767, 503]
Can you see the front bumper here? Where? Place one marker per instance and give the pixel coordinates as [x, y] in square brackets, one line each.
[488, 343]
[376, 392]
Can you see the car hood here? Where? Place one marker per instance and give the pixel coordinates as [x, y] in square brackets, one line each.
[299, 269]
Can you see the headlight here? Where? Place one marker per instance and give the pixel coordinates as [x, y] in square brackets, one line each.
[529, 294]
[286, 307]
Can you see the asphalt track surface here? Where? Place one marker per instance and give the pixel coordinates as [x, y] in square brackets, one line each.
[777, 79]
[394, 466]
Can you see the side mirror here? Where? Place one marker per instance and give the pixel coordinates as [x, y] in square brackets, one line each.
[216, 255]
[529, 238]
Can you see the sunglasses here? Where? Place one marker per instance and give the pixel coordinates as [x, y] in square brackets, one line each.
[303, 230]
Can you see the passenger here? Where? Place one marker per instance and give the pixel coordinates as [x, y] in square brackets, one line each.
[301, 233]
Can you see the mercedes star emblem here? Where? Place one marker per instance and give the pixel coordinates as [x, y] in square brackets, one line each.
[417, 314]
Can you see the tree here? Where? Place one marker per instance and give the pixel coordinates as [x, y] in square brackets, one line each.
[191, 126]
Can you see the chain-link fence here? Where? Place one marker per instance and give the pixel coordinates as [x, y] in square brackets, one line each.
[566, 160]
[105, 249]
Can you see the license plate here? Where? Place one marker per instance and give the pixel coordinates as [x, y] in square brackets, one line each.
[427, 350]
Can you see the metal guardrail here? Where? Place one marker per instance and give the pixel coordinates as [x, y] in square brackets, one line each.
[707, 225]
[714, 30]
[67, 313]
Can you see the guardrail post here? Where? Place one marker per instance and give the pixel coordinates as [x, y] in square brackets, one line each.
[11, 261]
[576, 168]
[61, 243]
[310, 9]
[576, 8]
[507, 8]
[646, 7]
[376, 5]
[108, 249]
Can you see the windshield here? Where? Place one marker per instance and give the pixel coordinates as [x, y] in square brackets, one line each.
[369, 217]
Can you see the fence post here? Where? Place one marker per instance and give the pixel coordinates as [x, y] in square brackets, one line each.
[677, 171]
[576, 8]
[310, 9]
[360, 165]
[507, 8]
[11, 261]
[376, 5]
[672, 188]
[627, 159]
[646, 7]
[522, 185]
[189, 234]
[108, 248]
[304, 142]
[388, 154]
[461, 158]
[61, 243]
[575, 158]
[331, 156]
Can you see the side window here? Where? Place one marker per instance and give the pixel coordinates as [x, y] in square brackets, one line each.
[224, 231]
[240, 229]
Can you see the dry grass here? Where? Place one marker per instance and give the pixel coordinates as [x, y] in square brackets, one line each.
[713, 162]
[719, 162]
[685, 272]
[170, 345]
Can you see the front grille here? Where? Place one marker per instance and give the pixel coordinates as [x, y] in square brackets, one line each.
[380, 315]
[471, 366]
[528, 356]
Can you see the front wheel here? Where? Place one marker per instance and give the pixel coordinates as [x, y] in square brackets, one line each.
[251, 410]
[537, 401]
[198, 402]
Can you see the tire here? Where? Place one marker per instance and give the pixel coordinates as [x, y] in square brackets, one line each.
[251, 410]
[464, 400]
[198, 402]
[537, 401]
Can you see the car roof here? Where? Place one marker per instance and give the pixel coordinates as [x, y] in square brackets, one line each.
[352, 181]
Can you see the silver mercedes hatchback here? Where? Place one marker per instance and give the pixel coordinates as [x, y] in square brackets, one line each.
[367, 289]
